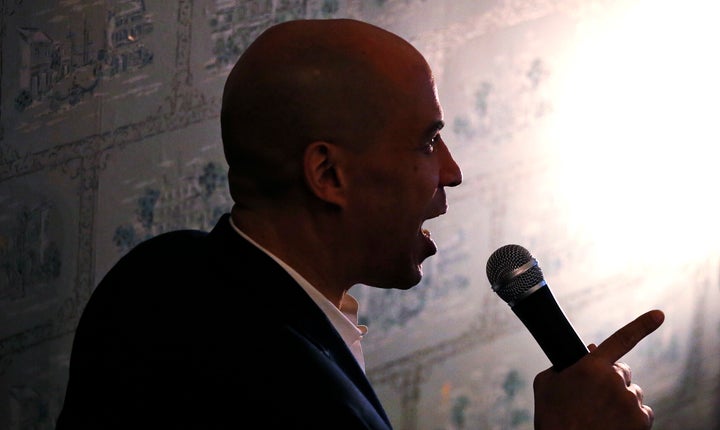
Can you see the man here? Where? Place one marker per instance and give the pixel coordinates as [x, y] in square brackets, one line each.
[331, 131]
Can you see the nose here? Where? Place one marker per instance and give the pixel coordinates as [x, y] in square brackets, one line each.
[450, 173]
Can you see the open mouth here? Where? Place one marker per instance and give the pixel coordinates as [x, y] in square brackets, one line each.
[429, 243]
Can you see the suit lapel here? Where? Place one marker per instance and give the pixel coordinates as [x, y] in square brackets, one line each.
[241, 260]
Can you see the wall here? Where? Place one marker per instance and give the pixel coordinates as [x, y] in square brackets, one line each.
[584, 130]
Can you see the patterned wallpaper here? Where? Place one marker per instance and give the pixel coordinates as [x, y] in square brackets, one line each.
[109, 134]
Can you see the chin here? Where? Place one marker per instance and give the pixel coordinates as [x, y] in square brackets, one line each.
[399, 280]
[413, 280]
[399, 283]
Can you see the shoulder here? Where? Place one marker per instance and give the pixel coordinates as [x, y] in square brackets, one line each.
[178, 246]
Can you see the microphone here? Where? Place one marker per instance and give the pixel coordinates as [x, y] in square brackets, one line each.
[515, 276]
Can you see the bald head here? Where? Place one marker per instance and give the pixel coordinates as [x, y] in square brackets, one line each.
[308, 80]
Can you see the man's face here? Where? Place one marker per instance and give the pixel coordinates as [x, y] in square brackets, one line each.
[399, 184]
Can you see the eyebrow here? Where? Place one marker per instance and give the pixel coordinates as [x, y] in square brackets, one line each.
[435, 127]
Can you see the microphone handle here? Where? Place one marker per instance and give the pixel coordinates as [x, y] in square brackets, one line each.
[542, 316]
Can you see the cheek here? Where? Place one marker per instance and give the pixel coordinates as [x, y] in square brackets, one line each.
[410, 195]
[395, 188]
[374, 184]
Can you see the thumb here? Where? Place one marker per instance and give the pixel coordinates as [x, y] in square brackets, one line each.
[625, 339]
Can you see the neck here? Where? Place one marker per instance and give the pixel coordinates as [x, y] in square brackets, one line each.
[300, 245]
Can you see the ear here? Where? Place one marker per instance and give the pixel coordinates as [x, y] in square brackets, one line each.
[323, 173]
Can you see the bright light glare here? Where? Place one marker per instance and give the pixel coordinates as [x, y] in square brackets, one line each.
[637, 132]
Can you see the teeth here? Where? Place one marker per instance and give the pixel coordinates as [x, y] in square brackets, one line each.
[426, 232]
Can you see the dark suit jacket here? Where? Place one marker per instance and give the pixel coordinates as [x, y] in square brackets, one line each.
[203, 330]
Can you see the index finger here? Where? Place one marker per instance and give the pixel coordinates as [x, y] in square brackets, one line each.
[625, 339]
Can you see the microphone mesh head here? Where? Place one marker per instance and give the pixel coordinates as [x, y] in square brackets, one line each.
[500, 266]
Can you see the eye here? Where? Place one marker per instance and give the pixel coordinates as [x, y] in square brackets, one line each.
[430, 145]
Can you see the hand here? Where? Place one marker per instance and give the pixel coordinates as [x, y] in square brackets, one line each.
[597, 392]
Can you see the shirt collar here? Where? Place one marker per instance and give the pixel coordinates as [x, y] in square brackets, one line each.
[345, 319]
